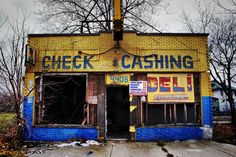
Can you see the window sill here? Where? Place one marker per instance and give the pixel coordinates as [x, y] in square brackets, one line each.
[63, 126]
[171, 125]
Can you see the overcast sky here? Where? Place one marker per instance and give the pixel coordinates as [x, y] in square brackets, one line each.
[168, 18]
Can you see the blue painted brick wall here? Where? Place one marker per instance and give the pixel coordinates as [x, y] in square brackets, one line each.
[207, 110]
[52, 134]
[27, 115]
[63, 134]
[153, 134]
[28, 109]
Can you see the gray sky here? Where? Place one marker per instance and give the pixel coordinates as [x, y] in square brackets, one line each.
[168, 18]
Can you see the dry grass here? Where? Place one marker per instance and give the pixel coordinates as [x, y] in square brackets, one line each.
[6, 116]
[10, 145]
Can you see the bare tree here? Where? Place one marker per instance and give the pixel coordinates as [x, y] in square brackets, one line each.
[231, 9]
[3, 21]
[222, 41]
[201, 22]
[87, 16]
[12, 61]
[223, 57]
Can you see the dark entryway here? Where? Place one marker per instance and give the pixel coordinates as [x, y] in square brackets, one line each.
[118, 112]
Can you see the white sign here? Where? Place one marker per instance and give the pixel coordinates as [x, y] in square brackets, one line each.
[93, 100]
[138, 88]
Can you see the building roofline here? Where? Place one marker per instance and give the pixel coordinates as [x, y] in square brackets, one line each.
[173, 34]
[98, 34]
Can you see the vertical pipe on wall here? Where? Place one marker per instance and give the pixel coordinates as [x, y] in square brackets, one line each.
[185, 114]
[170, 113]
[195, 113]
[88, 113]
[86, 97]
[165, 113]
[40, 100]
[105, 114]
[146, 111]
[141, 112]
[175, 116]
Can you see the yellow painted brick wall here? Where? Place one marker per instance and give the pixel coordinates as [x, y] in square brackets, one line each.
[29, 84]
[102, 46]
[205, 84]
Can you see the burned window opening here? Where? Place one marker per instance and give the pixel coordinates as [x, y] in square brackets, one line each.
[155, 114]
[63, 100]
[173, 114]
[180, 113]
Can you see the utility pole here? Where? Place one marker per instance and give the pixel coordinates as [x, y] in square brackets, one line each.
[117, 20]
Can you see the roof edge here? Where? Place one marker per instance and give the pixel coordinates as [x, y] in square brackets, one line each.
[128, 31]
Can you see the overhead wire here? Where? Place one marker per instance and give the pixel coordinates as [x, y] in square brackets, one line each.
[115, 47]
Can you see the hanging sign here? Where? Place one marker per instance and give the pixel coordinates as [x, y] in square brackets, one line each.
[138, 88]
[118, 79]
[170, 88]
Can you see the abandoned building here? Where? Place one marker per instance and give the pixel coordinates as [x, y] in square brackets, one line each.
[146, 87]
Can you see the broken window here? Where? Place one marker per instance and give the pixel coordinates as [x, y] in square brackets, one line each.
[62, 100]
[177, 114]
[156, 114]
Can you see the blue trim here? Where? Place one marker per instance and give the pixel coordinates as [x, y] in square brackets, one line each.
[52, 134]
[153, 134]
[207, 117]
[27, 115]
[63, 134]
[28, 109]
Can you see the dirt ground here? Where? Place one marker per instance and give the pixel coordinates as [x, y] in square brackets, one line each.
[224, 133]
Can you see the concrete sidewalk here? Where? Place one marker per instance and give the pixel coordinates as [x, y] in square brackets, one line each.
[140, 149]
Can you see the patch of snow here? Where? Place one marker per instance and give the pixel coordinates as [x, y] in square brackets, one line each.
[207, 132]
[92, 142]
[192, 141]
[177, 141]
[84, 144]
[72, 144]
[76, 143]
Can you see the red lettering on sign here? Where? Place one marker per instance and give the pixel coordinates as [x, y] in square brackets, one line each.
[164, 84]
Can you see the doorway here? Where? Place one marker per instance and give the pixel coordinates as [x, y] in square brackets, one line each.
[118, 112]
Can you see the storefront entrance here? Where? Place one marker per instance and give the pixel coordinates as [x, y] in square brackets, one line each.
[118, 112]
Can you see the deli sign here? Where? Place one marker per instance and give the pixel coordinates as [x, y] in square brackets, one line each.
[170, 88]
